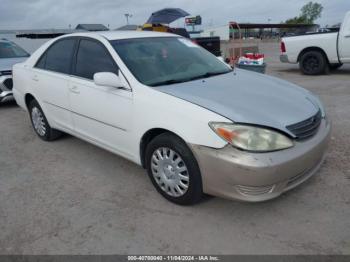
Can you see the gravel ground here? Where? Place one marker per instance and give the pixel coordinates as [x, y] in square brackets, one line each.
[70, 197]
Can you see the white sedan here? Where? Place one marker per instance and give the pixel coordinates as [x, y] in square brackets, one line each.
[161, 101]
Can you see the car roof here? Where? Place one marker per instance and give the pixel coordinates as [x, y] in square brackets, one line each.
[117, 35]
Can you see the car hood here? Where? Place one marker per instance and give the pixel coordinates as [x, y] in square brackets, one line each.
[7, 63]
[251, 98]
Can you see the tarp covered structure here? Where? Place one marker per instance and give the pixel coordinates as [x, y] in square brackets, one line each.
[167, 16]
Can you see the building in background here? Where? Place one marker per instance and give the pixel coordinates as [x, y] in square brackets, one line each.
[221, 31]
[92, 27]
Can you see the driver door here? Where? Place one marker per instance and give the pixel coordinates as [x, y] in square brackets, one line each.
[101, 114]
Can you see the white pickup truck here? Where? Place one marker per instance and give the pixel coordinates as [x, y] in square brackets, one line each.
[317, 53]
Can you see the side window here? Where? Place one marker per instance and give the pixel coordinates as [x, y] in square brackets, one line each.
[93, 58]
[58, 57]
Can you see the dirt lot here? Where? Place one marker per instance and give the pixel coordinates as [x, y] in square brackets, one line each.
[70, 197]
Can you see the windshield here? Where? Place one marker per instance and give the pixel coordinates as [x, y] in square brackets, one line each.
[167, 60]
[11, 50]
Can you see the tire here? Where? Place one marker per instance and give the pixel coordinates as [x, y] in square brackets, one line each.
[313, 63]
[167, 156]
[335, 66]
[40, 123]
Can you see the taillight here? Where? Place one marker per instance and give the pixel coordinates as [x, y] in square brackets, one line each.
[283, 47]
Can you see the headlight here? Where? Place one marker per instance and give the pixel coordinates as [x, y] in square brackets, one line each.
[251, 138]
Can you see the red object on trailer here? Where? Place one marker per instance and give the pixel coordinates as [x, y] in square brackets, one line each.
[255, 56]
[233, 59]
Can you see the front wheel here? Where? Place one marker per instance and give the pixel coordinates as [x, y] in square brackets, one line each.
[40, 124]
[174, 170]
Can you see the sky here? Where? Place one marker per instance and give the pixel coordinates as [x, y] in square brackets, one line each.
[44, 14]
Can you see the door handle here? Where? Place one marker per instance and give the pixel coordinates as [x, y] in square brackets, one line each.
[35, 78]
[75, 90]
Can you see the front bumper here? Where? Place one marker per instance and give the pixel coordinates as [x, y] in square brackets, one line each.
[6, 89]
[254, 177]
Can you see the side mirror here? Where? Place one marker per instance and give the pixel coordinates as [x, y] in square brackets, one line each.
[108, 79]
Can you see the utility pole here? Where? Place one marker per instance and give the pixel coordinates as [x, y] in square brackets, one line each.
[127, 16]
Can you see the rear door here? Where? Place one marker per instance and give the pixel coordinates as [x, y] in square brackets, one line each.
[50, 81]
[344, 40]
[101, 114]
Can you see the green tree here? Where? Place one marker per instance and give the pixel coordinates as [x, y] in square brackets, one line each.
[297, 20]
[309, 13]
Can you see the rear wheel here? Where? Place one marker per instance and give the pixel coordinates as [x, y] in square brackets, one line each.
[173, 170]
[313, 63]
[40, 124]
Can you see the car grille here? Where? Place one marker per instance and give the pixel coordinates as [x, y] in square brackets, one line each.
[6, 73]
[306, 128]
[8, 83]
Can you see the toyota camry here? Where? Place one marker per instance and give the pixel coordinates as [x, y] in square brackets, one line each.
[195, 124]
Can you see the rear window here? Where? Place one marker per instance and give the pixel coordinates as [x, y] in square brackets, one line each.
[58, 57]
[11, 50]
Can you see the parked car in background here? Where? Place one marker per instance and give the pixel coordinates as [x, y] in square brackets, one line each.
[320, 31]
[323, 30]
[10, 54]
[165, 103]
[317, 53]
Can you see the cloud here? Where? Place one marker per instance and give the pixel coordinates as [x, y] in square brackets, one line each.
[38, 14]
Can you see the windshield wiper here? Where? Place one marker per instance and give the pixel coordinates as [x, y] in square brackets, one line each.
[209, 74]
[169, 82]
[176, 81]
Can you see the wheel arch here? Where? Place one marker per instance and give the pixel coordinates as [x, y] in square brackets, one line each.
[148, 137]
[312, 48]
[28, 98]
